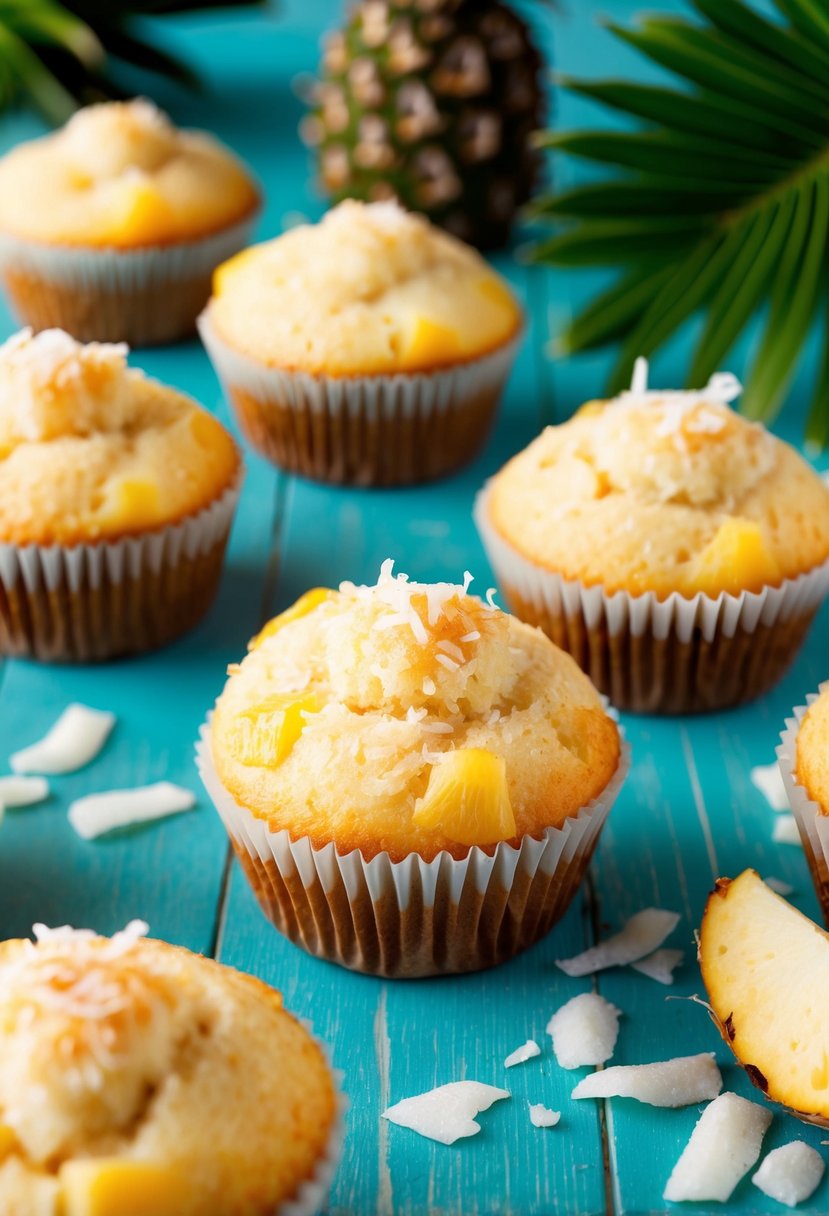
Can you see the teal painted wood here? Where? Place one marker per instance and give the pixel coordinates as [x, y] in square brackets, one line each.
[688, 812]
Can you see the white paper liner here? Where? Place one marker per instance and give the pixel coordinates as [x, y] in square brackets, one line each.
[620, 611]
[812, 823]
[313, 1193]
[412, 878]
[123, 271]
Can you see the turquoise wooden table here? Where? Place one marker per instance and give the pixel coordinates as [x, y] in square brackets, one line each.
[687, 814]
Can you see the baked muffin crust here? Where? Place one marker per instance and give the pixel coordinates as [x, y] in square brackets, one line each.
[813, 752]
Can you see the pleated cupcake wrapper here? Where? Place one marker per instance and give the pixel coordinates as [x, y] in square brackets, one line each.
[812, 823]
[106, 294]
[412, 918]
[362, 430]
[313, 1193]
[677, 655]
[36, 581]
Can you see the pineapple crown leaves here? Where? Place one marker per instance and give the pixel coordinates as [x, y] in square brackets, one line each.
[720, 199]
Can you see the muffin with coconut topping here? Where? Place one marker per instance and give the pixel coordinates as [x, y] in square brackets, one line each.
[412, 739]
[678, 550]
[126, 1063]
[111, 227]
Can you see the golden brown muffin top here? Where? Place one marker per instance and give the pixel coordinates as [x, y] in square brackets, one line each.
[812, 752]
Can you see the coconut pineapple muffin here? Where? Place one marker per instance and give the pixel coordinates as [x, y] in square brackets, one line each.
[433, 752]
[111, 227]
[116, 499]
[675, 548]
[804, 764]
[136, 1077]
[370, 348]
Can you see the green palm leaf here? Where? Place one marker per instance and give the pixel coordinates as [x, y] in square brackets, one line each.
[727, 173]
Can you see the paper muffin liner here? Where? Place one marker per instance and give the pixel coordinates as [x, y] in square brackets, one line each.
[383, 430]
[673, 656]
[142, 296]
[812, 823]
[88, 602]
[412, 918]
[312, 1194]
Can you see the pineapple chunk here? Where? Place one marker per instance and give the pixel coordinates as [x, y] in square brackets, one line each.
[135, 211]
[136, 502]
[304, 605]
[113, 1186]
[8, 1141]
[430, 344]
[265, 734]
[467, 798]
[766, 969]
[736, 560]
[223, 275]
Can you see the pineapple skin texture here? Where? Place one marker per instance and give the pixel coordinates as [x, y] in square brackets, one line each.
[242, 1108]
[439, 115]
[765, 967]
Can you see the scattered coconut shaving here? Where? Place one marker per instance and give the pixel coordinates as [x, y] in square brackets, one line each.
[98, 814]
[678, 1082]
[790, 1174]
[75, 739]
[768, 779]
[584, 1031]
[22, 791]
[724, 1145]
[522, 1054]
[722, 389]
[779, 886]
[542, 1116]
[641, 936]
[447, 1113]
[786, 830]
[660, 965]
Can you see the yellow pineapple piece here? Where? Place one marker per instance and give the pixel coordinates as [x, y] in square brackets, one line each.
[305, 604]
[224, 273]
[8, 1141]
[467, 798]
[430, 344]
[265, 734]
[135, 211]
[737, 559]
[113, 1186]
[136, 502]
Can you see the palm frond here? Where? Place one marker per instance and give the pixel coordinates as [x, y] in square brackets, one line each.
[717, 200]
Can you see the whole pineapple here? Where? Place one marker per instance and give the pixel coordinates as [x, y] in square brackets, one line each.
[434, 103]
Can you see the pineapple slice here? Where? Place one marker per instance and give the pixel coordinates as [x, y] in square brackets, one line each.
[737, 559]
[113, 1186]
[304, 605]
[430, 344]
[265, 734]
[467, 798]
[766, 969]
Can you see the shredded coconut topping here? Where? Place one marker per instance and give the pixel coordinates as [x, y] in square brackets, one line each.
[680, 409]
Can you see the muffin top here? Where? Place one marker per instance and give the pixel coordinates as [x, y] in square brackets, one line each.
[813, 751]
[664, 492]
[371, 289]
[409, 717]
[124, 1063]
[121, 175]
[91, 449]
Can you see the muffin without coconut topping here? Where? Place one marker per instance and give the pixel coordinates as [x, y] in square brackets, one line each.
[135, 1075]
[409, 717]
[813, 752]
[93, 450]
[371, 289]
[664, 492]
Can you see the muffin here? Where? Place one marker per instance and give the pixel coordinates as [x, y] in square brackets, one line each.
[414, 781]
[804, 763]
[370, 349]
[111, 227]
[116, 501]
[676, 549]
[136, 1077]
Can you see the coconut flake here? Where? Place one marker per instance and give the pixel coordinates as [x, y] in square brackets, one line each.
[660, 965]
[768, 779]
[75, 739]
[100, 813]
[790, 1173]
[641, 936]
[779, 886]
[584, 1031]
[721, 389]
[724, 1145]
[542, 1116]
[786, 830]
[447, 1113]
[678, 1082]
[22, 791]
[522, 1054]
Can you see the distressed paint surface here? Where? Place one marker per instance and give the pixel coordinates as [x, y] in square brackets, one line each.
[688, 812]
